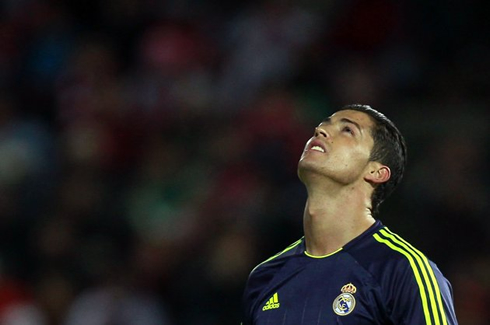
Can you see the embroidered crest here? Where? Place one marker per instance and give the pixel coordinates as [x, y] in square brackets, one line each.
[345, 303]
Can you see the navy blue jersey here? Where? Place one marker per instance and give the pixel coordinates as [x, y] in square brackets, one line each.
[377, 278]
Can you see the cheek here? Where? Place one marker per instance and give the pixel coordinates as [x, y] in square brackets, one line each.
[352, 160]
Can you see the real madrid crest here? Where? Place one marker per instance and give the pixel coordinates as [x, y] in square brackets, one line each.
[345, 303]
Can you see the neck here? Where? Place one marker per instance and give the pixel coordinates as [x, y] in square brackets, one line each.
[332, 220]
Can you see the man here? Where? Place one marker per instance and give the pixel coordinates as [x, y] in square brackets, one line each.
[349, 268]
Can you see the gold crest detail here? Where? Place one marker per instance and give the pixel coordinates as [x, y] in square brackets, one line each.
[349, 288]
[345, 303]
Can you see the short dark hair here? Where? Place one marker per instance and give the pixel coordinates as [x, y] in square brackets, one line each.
[389, 149]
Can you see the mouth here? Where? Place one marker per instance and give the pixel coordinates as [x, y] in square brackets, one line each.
[317, 148]
[317, 145]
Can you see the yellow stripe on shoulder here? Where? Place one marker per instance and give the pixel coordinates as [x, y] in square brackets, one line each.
[415, 271]
[430, 271]
[428, 286]
[293, 245]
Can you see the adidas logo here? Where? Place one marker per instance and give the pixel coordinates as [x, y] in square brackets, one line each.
[272, 303]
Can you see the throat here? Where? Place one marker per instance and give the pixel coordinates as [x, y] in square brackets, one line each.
[329, 227]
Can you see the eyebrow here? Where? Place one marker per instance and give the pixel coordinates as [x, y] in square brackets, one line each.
[328, 120]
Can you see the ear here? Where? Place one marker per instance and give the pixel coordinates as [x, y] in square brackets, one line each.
[377, 173]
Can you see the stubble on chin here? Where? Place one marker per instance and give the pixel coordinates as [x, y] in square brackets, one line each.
[307, 169]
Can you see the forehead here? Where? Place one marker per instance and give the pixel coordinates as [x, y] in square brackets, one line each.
[362, 119]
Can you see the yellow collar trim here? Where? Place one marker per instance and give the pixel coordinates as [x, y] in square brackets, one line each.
[323, 256]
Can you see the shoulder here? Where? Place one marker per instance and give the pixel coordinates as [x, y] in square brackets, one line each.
[279, 258]
[404, 260]
[407, 277]
[385, 250]
[264, 273]
[397, 266]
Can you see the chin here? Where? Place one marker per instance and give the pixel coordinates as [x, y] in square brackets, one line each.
[306, 170]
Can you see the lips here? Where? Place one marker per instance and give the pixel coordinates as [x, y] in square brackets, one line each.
[317, 145]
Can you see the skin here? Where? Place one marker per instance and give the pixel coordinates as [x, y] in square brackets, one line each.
[339, 181]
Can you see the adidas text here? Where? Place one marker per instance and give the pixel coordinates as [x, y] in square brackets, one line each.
[270, 306]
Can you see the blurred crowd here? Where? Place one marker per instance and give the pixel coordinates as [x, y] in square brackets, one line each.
[148, 149]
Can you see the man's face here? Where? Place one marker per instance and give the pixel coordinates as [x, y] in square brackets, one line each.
[339, 149]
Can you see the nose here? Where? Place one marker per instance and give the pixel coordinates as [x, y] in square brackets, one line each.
[319, 132]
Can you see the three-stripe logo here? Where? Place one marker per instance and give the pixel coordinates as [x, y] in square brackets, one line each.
[272, 303]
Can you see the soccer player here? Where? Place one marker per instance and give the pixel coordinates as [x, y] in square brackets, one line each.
[349, 268]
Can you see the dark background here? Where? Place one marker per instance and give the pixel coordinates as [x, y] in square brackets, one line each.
[148, 148]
